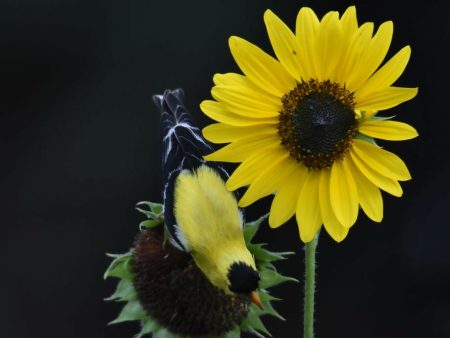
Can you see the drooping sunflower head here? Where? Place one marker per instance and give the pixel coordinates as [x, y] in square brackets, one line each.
[303, 124]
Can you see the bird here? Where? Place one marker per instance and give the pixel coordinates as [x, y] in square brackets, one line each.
[203, 278]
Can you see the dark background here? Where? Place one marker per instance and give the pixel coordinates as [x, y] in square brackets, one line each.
[79, 147]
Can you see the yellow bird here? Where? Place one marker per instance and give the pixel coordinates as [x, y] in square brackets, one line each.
[202, 217]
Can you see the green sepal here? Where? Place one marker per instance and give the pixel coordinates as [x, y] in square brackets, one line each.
[254, 324]
[131, 311]
[124, 292]
[271, 278]
[147, 327]
[381, 118]
[120, 267]
[251, 228]
[149, 224]
[366, 138]
[155, 208]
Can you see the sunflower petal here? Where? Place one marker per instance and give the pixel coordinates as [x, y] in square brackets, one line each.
[343, 194]
[284, 44]
[369, 195]
[349, 21]
[268, 180]
[250, 168]
[329, 42]
[262, 69]
[243, 84]
[306, 30]
[217, 111]
[386, 75]
[330, 222]
[382, 161]
[285, 200]
[242, 103]
[375, 54]
[386, 98]
[241, 149]
[224, 133]
[357, 46]
[388, 130]
[308, 208]
[389, 185]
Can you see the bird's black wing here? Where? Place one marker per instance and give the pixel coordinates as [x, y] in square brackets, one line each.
[183, 148]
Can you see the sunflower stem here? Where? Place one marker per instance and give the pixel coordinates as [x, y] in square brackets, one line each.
[310, 287]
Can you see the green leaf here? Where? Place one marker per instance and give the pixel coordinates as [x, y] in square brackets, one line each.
[120, 267]
[150, 224]
[271, 278]
[251, 228]
[131, 311]
[124, 292]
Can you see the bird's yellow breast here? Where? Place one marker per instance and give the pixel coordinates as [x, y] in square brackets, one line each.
[210, 223]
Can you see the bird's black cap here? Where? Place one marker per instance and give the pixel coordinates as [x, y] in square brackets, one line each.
[243, 278]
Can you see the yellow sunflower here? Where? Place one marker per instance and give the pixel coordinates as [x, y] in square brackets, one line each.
[304, 125]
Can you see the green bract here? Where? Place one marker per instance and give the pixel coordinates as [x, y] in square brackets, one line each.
[121, 268]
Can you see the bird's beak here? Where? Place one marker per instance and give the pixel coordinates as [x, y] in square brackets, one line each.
[254, 297]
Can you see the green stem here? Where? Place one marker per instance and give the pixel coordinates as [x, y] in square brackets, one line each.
[310, 287]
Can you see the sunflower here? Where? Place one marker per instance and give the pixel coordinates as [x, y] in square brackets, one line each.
[303, 126]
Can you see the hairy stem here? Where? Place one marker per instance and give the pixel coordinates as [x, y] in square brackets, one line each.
[310, 287]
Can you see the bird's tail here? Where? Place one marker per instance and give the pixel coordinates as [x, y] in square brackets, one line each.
[183, 146]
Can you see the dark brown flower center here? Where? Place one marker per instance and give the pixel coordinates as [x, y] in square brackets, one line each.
[317, 123]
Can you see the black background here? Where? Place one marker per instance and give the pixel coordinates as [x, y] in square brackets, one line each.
[79, 146]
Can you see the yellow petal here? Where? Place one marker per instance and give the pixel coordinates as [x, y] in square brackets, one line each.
[330, 222]
[343, 194]
[386, 75]
[375, 53]
[308, 208]
[262, 69]
[250, 168]
[388, 130]
[243, 84]
[242, 103]
[329, 46]
[284, 44]
[356, 47]
[306, 32]
[382, 161]
[269, 179]
[224, 133]
[390, 186]
[386, 98]
[285, 201]
[369, 195]
[349, 21]
[239, 150]
[217, 111]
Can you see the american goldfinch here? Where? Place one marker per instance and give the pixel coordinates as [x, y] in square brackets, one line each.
[202, 217]
[202, 280]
